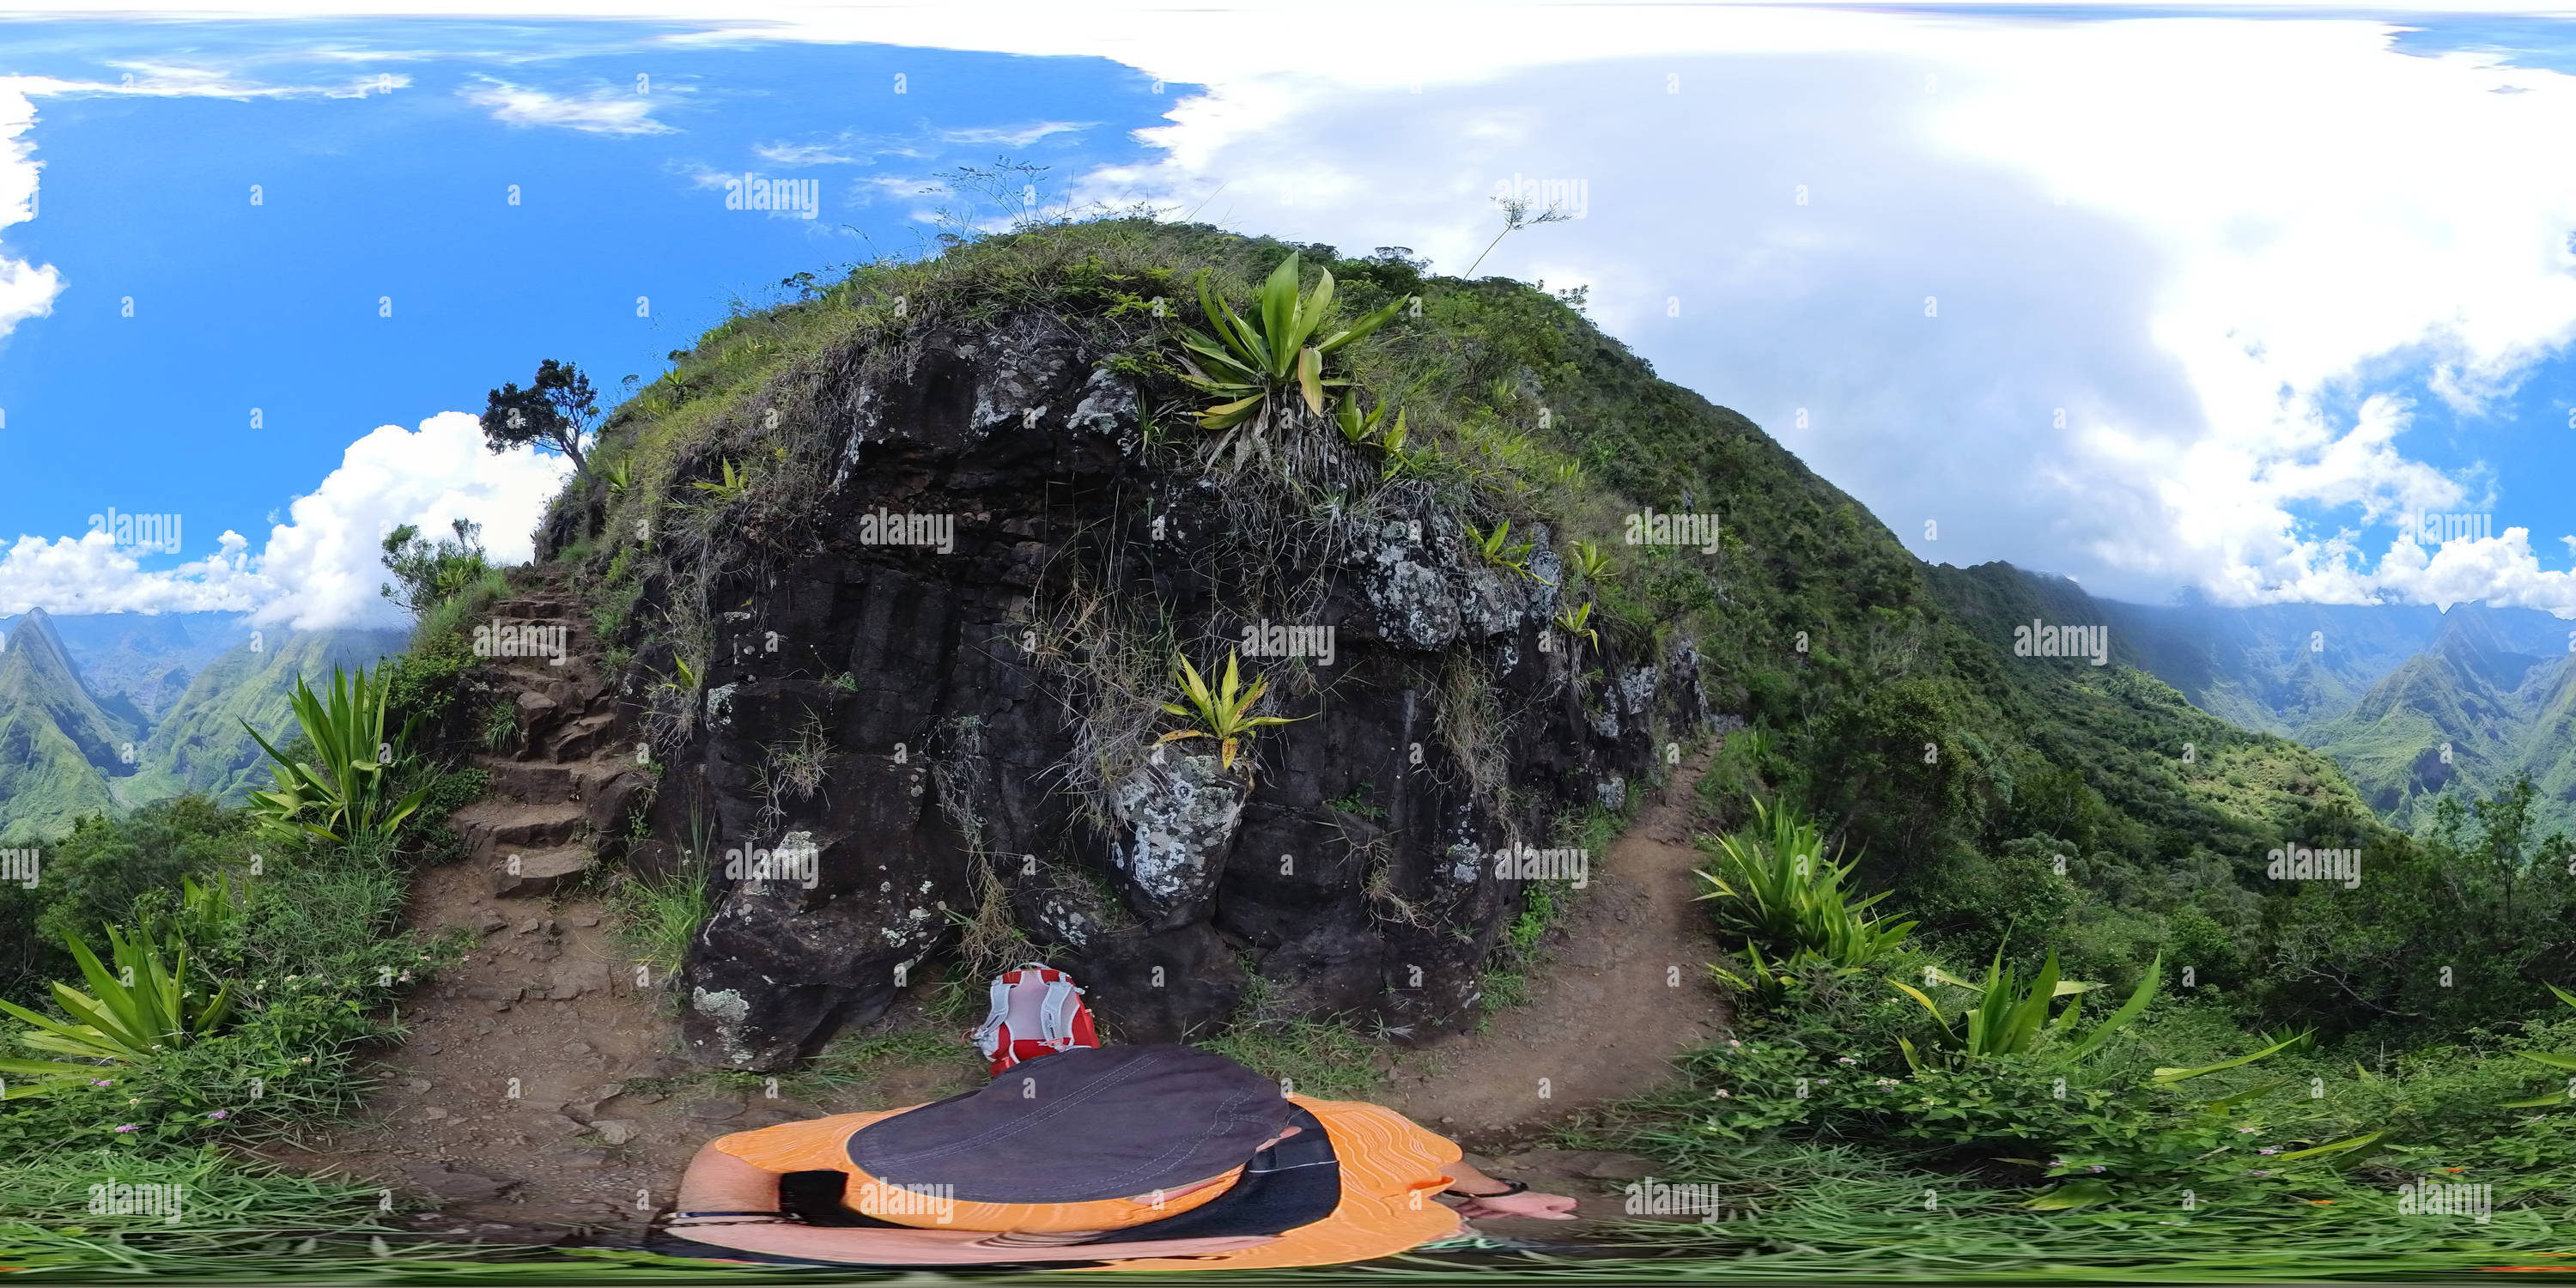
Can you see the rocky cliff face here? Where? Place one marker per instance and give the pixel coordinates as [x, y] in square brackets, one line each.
[938, 696]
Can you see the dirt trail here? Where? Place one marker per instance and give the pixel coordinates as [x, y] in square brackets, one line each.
[1622, 989]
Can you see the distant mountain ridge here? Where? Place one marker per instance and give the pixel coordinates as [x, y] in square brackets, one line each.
[2383, 689]
[58, 746]
[104, 712]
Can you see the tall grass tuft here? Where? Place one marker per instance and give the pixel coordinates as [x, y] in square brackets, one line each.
[1775, 887]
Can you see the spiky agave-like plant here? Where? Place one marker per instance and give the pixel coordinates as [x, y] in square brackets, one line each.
[1253, 363]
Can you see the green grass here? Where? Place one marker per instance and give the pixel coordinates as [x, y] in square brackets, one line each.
[856, 1061]
[658, 917]
[1836, 1213]
[1317, 1057]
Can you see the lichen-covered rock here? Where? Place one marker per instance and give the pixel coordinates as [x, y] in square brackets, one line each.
[1176, 817]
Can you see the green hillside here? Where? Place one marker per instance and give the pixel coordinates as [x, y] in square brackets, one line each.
[58, 746]
[146, 659]
[201, 746]
[2496, 710]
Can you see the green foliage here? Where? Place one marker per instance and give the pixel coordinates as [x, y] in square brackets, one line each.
[659, 917]
[347, 798]
[1591, 562]
[1980, 896]
[1252, 364]
[204, 913]
[2482, 892]
[1576, 622]
[428, 574]
[1316, 1057]
[132, 1013]
[1499, 550]
[727, 486]
[1224, 712]
[1775, 887]
[2011, 1020]
[99, 873]
[1372, 430]
[497, 726]
[557, 410]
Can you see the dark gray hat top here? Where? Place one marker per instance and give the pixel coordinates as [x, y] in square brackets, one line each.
[1081, 1125]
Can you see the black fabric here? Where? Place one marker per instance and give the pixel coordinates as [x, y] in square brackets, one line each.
[1080, 1126]
[1295, 1182]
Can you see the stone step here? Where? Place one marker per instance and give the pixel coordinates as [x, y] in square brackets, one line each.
[542, 605]
[583, 738]
[495, 828]
[544, 781]
[535, 874]
[578, 662]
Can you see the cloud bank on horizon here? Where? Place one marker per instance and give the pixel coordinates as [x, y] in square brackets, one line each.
[2163, 303]
[322, 567]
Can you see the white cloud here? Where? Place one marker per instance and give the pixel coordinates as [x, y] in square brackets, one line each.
[326, 560]
[2501, 570]
[322, 567]
[1018, 137]
[2195, 240]
[803, 154]
[606, 111]
[27, 290]
[2199, 239]
[90, 574]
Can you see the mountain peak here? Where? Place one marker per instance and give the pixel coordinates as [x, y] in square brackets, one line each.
[35, 635]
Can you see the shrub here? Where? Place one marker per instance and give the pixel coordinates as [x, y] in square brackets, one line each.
[1775, 887]
[347, 797]
[132, 1014]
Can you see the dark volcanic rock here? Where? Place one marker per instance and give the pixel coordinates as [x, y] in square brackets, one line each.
[900, 723]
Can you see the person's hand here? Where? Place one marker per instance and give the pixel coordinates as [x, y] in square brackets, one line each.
[1527, 1203]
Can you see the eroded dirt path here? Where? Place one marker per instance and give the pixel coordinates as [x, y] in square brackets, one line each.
[540, 1093]
[1623, 988]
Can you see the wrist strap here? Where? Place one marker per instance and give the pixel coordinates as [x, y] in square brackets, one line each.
[1517, 1187]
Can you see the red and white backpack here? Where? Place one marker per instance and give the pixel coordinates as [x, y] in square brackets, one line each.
[1036, 1011]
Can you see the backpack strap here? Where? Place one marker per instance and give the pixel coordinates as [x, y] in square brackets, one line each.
[988, 1035]
[1055, 1016]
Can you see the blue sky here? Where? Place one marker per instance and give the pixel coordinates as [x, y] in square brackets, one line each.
[2287, 277]
[379, 195]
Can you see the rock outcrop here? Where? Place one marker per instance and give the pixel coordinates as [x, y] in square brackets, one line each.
[941, 689]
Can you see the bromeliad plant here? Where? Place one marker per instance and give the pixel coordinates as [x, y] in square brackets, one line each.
[1254, 363]
[1497, 548]
[2555, 1061]
[1372, 430]
[2011, 1019]
[1577, 623]
[1593, 562]
[731, 483]
[134, 1012]
[1224, 713]
[1777, 889]
[348, 796]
